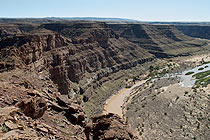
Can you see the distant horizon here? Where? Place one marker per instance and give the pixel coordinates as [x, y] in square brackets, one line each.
[135, 20]
[141, 10]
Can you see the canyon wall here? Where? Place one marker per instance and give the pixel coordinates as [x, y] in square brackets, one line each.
[198, 31]
[83, 52]
[160, 40]
[69, 51]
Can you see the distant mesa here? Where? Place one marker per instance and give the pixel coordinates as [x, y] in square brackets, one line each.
[94, 19]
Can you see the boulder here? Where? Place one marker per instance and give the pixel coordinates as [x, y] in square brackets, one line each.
[33, 107]
[110, 126]
[8, 111]
[11, 125]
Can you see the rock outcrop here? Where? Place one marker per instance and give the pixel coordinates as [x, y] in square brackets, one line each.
[33, 107]
[110, 127]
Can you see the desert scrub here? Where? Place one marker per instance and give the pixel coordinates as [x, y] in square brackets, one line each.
[201, 68]
[206, 62]
[140, 133]
[151, 68]
[204, 81]
[201, 74]
[186, 92]
[128, 86]
[177, 98]
[4, 129]
[189, 73]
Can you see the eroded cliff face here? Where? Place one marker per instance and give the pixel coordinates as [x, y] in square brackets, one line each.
[195, 30]
[34, 51]
[93, 48]
[38, 69]
[161, 40]
[15, 29]
[31, 107]
[30, 48]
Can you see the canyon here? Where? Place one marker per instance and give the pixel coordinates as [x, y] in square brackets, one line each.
[56, 76]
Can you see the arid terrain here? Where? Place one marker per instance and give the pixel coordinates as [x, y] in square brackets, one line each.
[164, 109]
[58, 78]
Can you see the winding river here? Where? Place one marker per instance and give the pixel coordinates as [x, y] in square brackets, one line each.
[115, 102]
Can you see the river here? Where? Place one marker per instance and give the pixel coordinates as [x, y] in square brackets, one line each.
[115, 102]
[189, 80]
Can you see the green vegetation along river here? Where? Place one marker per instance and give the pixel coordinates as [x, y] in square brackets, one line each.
[189, 77]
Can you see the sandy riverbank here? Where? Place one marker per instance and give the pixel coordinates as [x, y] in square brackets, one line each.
[115, 102]
[198, 58]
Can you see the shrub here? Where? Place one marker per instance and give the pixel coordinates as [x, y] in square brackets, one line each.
[151, 68]
[4, 129]
[201, 68]
[157, 67]
[140, 133]
[189, 73]
[186, 92]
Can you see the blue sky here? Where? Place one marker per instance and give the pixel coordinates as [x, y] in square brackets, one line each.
[143, 10]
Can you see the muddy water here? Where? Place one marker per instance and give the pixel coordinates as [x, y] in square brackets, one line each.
[115, 102]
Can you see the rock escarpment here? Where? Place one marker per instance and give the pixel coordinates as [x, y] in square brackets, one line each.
[39, 70]
[195, 30]
[30, 109]
[94, 47]
[161, 40]
[75, 51]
